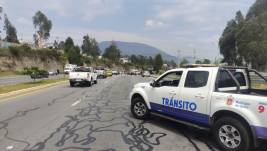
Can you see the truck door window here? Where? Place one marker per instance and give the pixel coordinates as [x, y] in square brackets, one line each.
[240, 78]
[170, 79]
[196, 79]
[225, 80]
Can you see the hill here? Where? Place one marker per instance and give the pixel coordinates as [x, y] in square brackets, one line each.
[132, 48]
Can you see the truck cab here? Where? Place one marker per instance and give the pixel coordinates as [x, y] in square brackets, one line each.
[229, 101]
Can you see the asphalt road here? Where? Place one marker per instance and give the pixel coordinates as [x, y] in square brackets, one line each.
[11, 80]
[91, 118]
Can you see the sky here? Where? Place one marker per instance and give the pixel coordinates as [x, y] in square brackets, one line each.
[170, 25]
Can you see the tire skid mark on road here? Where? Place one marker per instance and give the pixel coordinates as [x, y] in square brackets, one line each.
[191, 141]
[5, 123]
[61, 97]
[134, 134]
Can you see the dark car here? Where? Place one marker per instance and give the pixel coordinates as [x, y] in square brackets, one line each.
[39, 74]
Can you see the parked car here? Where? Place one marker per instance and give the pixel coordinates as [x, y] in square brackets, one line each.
[101, 72]
[39, 74]
[83, 75]
[108, 73]
[146, 74]
[52, 73]
[115, 72]
[225, 100]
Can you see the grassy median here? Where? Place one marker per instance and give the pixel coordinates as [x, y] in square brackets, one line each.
[10, 88]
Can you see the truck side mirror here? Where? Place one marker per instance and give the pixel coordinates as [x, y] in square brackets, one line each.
[155, 84]
[152, 83]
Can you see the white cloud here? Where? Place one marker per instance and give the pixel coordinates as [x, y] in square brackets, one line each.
[153, 23]
[23, 21]
[97, 8]
[84, 9]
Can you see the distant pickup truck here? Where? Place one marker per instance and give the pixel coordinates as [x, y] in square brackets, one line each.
[101, 72]
[82, 75]
[68, 68]
[229, 101]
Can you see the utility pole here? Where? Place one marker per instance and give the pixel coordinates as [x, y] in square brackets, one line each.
[1, 22]
[178, 57]
[194, 54]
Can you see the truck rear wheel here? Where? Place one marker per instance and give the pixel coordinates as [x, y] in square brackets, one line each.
[232, 134]
[72, 84]
[139, 108]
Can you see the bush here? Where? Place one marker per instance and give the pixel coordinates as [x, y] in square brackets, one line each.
[29, 71]
[14, 50]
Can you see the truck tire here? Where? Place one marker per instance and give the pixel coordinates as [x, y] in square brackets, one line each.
[139, 108]
[91, 82]
[72, 84]
[232, 134]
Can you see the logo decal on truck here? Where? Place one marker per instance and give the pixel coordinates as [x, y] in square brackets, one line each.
[230, 100]
[261, 107]
[180, 104]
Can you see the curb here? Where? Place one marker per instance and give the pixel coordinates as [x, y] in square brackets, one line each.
[23, 91]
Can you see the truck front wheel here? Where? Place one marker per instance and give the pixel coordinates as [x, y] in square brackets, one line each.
[232, 134]
[139, 108]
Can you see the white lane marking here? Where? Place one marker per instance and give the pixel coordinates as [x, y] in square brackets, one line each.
[9, 147]
[75, 103]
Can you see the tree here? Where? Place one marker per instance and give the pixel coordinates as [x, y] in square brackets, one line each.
[258, 8]
[184, 62]
[158, 62]
[43, 26]
[74, 55]
[95, 48]
[112, 53]
[11, 32]
[239, 18]
[61, 45]
[90, 46]
[198, 62]
[251, 41]
[206, 61]
[86, 45]
[56, 44]
[69, 44]
[227, 43]
[150, 61]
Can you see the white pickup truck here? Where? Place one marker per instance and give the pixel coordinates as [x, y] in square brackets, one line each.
[231, 102]
[82, 75]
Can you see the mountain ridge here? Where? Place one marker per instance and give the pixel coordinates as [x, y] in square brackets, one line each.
[135, 48]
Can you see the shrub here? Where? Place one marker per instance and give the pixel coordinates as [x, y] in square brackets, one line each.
[14, 50]
[31, 70]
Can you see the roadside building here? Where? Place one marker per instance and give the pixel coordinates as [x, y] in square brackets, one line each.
[124, 60]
